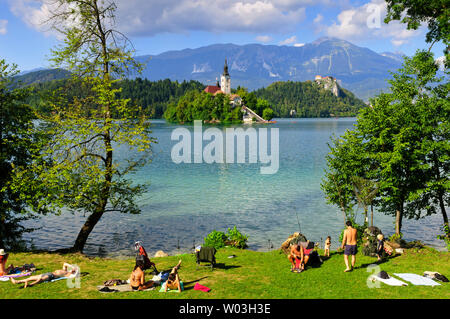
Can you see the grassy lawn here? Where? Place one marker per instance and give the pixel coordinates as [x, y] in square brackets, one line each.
[250, 275]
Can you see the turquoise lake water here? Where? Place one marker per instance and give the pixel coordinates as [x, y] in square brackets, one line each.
[185, 202]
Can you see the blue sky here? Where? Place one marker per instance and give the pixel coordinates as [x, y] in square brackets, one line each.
[155, 26]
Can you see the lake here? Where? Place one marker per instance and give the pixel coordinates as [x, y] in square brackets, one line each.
[185, 202]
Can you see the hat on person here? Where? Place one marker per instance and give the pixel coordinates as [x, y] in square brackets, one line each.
[2, 252]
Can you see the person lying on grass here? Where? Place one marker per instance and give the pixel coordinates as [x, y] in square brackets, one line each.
[137, 278]
[296, 258]
[173, 282]
[67, 271]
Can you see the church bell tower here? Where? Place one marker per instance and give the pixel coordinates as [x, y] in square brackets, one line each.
[225, 81]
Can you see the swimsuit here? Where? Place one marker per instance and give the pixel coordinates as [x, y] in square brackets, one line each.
[50, 275]
[350, 250]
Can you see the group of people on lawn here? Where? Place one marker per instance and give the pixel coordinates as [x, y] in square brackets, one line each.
[299, 254]
[136, 280]
[299, 257]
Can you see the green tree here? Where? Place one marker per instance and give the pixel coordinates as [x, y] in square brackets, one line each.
[365, 192]
[81, 168]
[435, 13]
[345, 160]
[18, 144]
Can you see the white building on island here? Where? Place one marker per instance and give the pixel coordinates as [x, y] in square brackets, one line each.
[225, 80]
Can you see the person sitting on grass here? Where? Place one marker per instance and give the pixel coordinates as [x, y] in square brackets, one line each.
[67, 271]
[3, 258]
[296, 258]
[137, 278]
[173, 281]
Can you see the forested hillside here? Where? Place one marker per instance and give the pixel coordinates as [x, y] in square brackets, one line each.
[308, 99]
[153, 97]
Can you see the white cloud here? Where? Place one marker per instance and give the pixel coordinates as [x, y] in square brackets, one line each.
[287, 41]
[366, 22]
[298, 45]
[151, 17]
[263, 38]
[144, 17]
[318, 18]
[3, 24]
[441, 62]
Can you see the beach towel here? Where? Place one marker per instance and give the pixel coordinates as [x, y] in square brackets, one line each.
[6, 277]
[120, 288]
[197, 286]
[163, 287]
[391, 281]
[418, 280]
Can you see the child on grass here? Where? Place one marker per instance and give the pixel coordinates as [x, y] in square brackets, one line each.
[327, 246]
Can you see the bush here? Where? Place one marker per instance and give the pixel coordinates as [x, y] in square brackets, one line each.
[236, 238]
[218, 239]
[445, 238]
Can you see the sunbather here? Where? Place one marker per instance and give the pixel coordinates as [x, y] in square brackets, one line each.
[67, 270]
[137, 278]
[173, 282]
[3, 258]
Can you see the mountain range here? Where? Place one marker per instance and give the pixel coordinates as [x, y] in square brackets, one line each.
[358, 69]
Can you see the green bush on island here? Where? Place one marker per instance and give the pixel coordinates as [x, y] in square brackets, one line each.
[196, 105]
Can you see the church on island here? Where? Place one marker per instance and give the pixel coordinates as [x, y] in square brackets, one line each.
[224, 87]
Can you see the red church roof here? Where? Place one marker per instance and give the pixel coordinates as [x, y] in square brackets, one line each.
[212, 89]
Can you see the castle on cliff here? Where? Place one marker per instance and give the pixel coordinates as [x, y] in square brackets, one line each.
[328, 83]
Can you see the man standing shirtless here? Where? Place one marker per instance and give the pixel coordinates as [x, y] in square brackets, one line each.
[349, 241]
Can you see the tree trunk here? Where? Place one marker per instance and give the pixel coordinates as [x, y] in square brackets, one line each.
[398, 220]
[371, 215]
[366, 218]
[95, 217]
[444, 215]
[87, 228]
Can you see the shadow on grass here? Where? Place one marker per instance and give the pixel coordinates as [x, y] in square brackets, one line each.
[377, 262]
[187, 283]
[225, 267]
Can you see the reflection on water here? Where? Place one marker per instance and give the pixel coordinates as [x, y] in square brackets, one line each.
[187, 201]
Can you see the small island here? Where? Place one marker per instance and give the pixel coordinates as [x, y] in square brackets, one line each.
[218, 104]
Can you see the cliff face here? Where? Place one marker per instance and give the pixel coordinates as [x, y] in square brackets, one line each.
[328, 83]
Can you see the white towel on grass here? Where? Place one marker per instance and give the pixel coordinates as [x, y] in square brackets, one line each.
[391, 281]
[418, 280]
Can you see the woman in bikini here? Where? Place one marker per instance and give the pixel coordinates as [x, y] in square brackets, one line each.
[137, 278]
[173, 282]
[49, 276]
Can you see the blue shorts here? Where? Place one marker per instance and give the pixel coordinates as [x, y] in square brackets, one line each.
[350, 250]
